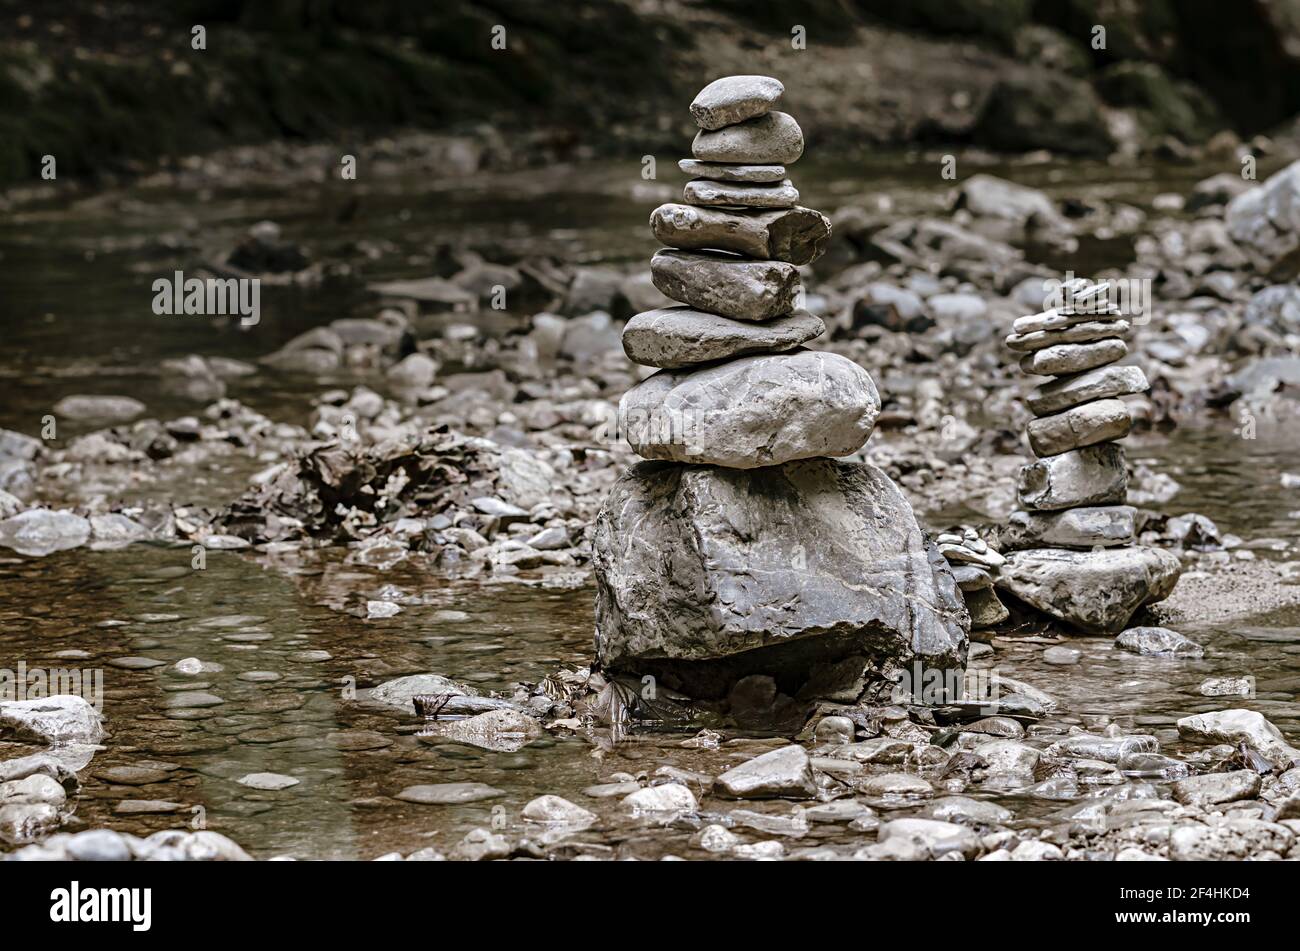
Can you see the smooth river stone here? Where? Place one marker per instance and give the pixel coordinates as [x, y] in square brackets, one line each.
[1085, 332]
[1086, 425]
[1057, 319]
[727, 285]
[753, 411]
[1092, 476]
[1084, 527]
[1073, 357]
[1102, 383]
[1095, 591]
[733, 99]
[701, 191]
[771, 139]
[723, 172]
[682, 336]
[796, 235]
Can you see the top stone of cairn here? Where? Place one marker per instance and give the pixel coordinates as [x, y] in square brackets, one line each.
[733, 99]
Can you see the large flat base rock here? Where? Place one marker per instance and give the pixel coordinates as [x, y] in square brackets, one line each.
[1095, 591]
[708, 574]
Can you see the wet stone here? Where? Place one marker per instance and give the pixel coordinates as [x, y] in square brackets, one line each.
[268, 781]
[132, 775]
[1158, 640]
[446, 794]
[136, 663]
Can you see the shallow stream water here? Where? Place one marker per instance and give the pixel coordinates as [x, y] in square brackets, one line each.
[74, 304]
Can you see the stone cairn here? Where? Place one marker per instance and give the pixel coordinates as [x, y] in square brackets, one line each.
[745, 551]
[1071, 549]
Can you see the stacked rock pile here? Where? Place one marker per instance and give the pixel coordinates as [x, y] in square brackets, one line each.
[745, 549]
[973, 563]
[1077, 557]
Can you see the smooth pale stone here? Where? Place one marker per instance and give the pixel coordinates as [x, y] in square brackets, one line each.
[797, 235]
[1056, 319]
[1084, 527]
[1095, 591]
[1098, 421]
[733, 99]
[1092, 476]
[771, 139]
[681, 336]
[724, 172]
[727, 285]
[1085, 332]
[1073, 357]
[1099, 384]
[701, 191]
[753, 411]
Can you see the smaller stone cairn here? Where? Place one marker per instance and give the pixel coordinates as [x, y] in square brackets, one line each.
[1071, 548]
[973, 564]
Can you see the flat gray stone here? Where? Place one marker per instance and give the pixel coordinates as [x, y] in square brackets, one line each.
[1099, 384]
[1080, 426]
[1095, 475]
[733, 99]
[702, 191]
[725, 172]
[797, 235]
[1083, 527]
[449, 794]
[753, 411]
[677, 337]
[270, 782]
[785, 773]
[1073, 357]
[1215, 789]
[808, 561]
[727, 285]
[1083, 332]
[1095, 591]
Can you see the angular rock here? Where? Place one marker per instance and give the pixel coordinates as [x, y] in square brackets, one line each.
[726, 172]
[796, 235]
[443, 794]
[779, 774]
[675, 337]
[1086, 425]
[1214, 789]
[502, 730]
[727, 285]
[753, 411]
[1099, 384]
[1095, 475]
[986, 610]
[1083, 527]
[733, 99]
[702, 191]
[1096, 591]
[705, 575]
[1073, 357]
[770, 139]
[1158, 640]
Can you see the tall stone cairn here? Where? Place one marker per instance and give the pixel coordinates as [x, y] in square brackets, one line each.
[746, 548]
[1077, 557]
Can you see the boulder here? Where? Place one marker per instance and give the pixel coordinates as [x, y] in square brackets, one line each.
[708, 574]
[676, 337]
[785, 773]
[1095, 591]
[753, 411]
[56, 720]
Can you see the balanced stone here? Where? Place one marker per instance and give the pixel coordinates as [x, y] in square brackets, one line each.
[1101, 383]
[724, 172]
[733, 99]
[1076, 333]
[753, 411]
[727, 285]
[1056, 319]
[701, 191]
[797, 235]
[1096, 591]
[986, 610]
[1073, 357]
[681, 336]
[1083, 527]
[1095, 475]
[706, 574]
[771, 139]
[1098, 421]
